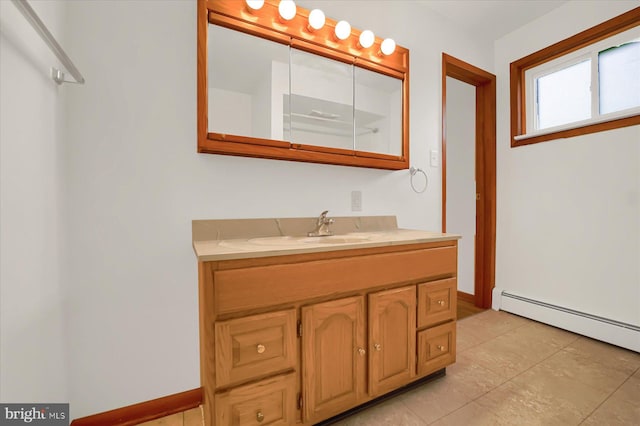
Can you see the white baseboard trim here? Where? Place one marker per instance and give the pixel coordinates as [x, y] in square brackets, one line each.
[604, 329]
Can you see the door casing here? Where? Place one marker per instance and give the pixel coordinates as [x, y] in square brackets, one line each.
[485, 252]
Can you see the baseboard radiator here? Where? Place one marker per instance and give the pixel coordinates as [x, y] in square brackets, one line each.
[605, 329]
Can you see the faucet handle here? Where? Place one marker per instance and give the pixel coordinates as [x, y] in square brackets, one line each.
[322, 226]
[322, 218]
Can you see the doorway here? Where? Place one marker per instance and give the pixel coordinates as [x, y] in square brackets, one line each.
[485, 173]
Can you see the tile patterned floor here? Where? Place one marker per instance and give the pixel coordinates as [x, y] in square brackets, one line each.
[511, 371]
[191, 417]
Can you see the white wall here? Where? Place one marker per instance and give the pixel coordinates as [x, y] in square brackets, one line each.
[567, 215]
[461, 176]
[99, 280]
[32, 297]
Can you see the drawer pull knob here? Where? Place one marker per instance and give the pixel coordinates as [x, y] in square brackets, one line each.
[377, 347]
[440, 348]
[441, 302]
[259, 416]
[361, 351]
[261, 349]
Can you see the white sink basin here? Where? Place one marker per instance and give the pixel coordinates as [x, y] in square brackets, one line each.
[337, 239]
[331, 239]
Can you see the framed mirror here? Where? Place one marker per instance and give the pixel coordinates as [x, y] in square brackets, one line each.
[275, 88]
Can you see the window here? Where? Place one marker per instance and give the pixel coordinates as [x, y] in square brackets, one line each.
[585, 84]
[619, 77]
[562, 96]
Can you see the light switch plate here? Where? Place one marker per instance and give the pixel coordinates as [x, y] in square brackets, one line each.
[356, 201]
[434, 158]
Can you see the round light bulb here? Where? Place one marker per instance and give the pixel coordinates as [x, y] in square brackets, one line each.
[343, 30]
[287, 9]
[388, 46]
[316, 19]
[254, 4]
[367, 38]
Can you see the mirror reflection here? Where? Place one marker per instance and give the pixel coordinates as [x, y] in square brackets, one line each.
[321, 101]
[246, 88]
[378, 113]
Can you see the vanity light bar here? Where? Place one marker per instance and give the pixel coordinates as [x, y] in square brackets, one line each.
[316, 20]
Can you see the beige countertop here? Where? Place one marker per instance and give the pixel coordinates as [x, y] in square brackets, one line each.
[250, 238]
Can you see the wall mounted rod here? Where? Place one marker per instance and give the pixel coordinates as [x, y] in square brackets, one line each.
[48, 38]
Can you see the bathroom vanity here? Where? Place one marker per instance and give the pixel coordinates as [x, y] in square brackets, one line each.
[298, 329]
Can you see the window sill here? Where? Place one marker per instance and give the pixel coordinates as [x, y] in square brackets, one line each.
[607, 122]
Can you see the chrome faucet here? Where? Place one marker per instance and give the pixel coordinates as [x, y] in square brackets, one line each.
[322, 226]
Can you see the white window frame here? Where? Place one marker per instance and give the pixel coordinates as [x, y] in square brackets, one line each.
[588, 52]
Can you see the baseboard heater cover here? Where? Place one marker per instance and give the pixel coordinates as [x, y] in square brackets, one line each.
[608, 330]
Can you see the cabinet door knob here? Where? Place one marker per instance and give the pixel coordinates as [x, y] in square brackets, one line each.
[377, 347]
[260, 349]
[259, 416]
[440, 348]
[441, 302]
[361, 351]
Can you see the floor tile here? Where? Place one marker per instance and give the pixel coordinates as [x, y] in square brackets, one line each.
[489, 324]
[501, 357]
[622, 408]
[471, 379]
[622, 359]
[482, 327]
[523, 341]
[468, 337]
[193, 417]
[435, 399]
[172, 420]
[535, 333]
[531, 405]
[578, 366]
[390, 413]
[472, 414]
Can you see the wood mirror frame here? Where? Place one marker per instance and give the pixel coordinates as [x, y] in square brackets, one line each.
[265, 23]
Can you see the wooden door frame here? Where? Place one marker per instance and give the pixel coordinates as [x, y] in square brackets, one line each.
[485, 247]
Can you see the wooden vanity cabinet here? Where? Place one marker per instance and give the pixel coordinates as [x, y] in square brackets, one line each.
[300, 338]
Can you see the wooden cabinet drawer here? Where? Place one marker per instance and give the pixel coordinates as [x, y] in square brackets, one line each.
[436, 348]
[251, 347]
[269, 402]
[436, 302]
[236, 290]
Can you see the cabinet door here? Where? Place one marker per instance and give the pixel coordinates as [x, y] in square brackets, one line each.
[333, 357]
[392, 339]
